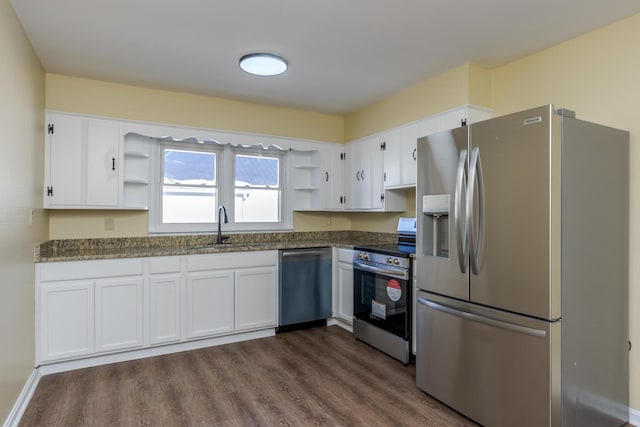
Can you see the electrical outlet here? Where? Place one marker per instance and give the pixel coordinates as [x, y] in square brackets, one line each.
[109, 224]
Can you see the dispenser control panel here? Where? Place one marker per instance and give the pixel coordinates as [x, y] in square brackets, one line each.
[434, 204]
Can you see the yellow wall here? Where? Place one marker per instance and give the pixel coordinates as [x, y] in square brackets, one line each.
[100, 98]
[596, 75]
[21, 169]
[78, 95]
[466, 84]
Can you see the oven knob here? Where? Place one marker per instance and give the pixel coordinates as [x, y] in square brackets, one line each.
[396, 261]
[365, 257]
[389, 260]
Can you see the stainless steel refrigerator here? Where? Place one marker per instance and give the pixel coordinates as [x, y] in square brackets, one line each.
[522, 269]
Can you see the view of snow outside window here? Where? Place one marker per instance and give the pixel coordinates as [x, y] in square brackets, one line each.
[257, 192]
[189, 193]
[190, 187]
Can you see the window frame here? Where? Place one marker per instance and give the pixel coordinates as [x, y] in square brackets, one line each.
[225, 186]
[253, 152]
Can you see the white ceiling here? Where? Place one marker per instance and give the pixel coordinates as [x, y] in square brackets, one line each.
[343, 54]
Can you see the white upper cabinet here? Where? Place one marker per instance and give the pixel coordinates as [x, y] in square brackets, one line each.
[82, 167]
[363, 174]
[332, 177]
[400, 157]
[316, 178]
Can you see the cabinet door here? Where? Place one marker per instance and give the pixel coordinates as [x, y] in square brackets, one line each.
[81, 162]
[64, 161]
[331, 178]
[256, 291]
[409, 155]
[353, 170]
[345, 296]
[164, 308]
[210, 303]
[66, 320]
[364, 174]
[393, 154]
[103, 140]
[119, 314]
[400, 157]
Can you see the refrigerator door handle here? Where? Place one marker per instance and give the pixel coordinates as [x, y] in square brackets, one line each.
[476, 242]
[461, 233]
[486, 320]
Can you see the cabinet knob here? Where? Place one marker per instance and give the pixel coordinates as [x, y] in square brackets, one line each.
[358, 176]
[113, 163]
[414, 154]
[326, 178]
[362, 174]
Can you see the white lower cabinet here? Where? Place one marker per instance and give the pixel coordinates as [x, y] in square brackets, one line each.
[344, 276]
[210, 303]
[164, 298]
[256, 290]
[118, 314]
[93, 308]
[164, 308]
[231, 292]
[66, 320]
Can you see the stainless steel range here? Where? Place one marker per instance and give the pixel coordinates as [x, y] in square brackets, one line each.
[383, 297]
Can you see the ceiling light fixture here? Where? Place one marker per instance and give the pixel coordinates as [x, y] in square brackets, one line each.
[263, 64]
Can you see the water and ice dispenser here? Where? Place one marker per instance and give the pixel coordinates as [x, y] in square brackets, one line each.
[435, 208]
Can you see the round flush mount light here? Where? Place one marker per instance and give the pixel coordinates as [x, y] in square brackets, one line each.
[263, 64]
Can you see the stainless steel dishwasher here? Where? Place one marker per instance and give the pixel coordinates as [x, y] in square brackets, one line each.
[304, 288]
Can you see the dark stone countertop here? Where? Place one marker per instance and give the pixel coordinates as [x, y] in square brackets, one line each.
[134, 247]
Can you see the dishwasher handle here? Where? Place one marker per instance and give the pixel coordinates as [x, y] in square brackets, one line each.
[305, 252]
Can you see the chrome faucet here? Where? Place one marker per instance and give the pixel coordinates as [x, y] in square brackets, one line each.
[226, 221]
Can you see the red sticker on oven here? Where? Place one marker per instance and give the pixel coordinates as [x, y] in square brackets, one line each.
[394, 291]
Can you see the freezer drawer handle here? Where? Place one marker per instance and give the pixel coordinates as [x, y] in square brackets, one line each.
[487, 321]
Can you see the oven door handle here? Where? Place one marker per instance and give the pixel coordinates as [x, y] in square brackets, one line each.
[392, 272]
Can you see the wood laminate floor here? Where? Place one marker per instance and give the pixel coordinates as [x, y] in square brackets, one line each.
[313, 377]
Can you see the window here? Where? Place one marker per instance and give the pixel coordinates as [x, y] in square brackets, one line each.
[194, 179]
[189, 193]
[257, 188]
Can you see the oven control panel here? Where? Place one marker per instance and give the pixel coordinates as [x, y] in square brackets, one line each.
[402, 262]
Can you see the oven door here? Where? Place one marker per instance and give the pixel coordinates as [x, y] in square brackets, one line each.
[382, 297]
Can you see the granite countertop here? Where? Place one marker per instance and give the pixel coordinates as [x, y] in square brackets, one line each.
[133, 247]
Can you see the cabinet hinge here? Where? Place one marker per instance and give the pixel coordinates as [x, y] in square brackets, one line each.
[463, 122]
[49, 191]
[342, 156]
[50, 129]
[383, 145]
[382, 197]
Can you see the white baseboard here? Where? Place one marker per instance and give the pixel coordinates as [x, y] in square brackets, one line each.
[70, 365]
[634, 417]
[23, 400]
[339, 322]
